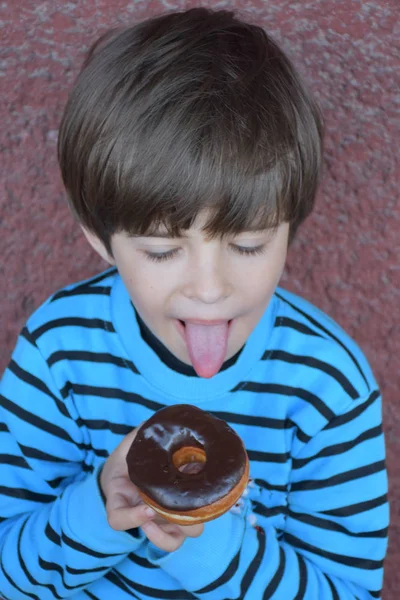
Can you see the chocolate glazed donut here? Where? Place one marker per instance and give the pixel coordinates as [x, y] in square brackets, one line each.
[188, 465]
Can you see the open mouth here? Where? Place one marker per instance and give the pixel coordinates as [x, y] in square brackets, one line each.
[184, 324]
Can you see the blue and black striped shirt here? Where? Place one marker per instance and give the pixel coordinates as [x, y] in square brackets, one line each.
[313, 522]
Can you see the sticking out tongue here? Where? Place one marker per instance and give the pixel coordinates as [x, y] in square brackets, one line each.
[207, 346]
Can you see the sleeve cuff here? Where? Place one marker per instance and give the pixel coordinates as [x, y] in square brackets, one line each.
[200, 561]
[86, 519]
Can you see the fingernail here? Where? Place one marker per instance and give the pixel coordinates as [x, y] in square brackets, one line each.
[149, 512]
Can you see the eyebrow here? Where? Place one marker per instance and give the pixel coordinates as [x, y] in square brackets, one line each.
[159, 234]
[170, 235]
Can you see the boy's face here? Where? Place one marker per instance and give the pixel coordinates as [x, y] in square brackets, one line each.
[200, 279]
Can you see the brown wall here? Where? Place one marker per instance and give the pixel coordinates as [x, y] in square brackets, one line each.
[344, 259]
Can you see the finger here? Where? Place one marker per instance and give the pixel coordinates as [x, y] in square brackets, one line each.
[187, 530]
[192, 531]
[122, 487]
[122, 499]
[125, 517]
[161, 521]
[165, 541]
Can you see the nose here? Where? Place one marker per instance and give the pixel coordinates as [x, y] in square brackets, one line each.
[207, 281]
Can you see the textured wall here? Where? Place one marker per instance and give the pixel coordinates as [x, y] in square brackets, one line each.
[344, 259]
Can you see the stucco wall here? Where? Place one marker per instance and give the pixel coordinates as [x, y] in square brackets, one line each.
[344, 259]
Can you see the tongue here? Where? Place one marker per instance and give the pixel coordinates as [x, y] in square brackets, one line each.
[207, 347]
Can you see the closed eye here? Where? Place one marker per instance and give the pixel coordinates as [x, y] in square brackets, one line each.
[249, 251]
[242, 250]
[161, 256]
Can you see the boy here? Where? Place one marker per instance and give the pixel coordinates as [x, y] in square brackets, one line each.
[191, 152]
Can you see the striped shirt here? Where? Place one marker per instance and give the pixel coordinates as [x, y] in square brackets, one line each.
[313, 522]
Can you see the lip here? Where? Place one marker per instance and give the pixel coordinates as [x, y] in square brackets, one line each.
[206, 322]
[181, 326]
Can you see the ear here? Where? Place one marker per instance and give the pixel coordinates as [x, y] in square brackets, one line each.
[98, 245]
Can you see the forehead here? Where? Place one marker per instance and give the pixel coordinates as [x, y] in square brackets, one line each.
[199, 224]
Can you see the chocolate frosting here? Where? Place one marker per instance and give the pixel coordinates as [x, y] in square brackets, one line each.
[151, 468]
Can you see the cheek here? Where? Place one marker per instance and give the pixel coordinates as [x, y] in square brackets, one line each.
[136, 274]
[261, 283]
[148, 290]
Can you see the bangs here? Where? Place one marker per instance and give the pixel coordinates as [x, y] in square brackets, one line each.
[163, 169]
[239, 195]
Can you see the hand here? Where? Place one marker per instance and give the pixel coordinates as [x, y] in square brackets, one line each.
[168, 536]
[124, 506]
[126, 510]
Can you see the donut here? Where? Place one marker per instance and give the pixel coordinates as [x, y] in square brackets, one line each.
[188, 465]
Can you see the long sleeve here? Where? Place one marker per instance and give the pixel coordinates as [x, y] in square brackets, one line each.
[54, 534]
[335, 536]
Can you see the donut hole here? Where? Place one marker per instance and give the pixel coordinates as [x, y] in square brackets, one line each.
[189, 459]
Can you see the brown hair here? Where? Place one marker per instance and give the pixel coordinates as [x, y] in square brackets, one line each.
[184, 111]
